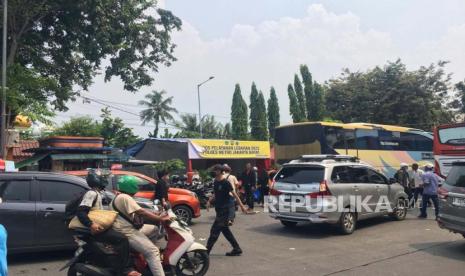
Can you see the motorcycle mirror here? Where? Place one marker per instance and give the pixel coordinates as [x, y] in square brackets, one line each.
[156, 202]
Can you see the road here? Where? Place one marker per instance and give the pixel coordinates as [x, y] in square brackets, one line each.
[378, 247]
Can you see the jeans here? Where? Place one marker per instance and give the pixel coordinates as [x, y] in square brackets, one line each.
[249, 196]
[141, 243]
[264, 190]
[221, 226]
[120, 243]
[424, 204]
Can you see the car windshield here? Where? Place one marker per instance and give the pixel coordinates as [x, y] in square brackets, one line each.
[456, 176]
[455, 135]
[301, 175]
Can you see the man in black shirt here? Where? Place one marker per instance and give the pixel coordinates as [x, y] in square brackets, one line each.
[161, 188]
[224, 194]
[249, 182]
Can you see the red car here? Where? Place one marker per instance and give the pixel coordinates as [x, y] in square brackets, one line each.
[185, 203]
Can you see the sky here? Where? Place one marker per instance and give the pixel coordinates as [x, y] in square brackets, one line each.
[265, 41]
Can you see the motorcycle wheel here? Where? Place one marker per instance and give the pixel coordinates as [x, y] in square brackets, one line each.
[193, 263]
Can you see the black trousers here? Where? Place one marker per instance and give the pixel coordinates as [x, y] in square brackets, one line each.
[221, 226]
[264, 190]
[121, 261]
[249, 196]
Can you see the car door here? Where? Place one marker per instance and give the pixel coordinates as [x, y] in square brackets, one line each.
[17, 212]
[53, 196]
[364, 190]
[381, 184]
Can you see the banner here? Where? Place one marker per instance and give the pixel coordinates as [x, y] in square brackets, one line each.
[230, 149]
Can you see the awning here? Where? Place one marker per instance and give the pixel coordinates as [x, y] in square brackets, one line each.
[82, 156]
[30, 161]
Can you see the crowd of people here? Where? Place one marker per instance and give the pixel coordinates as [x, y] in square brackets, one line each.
[418, 182]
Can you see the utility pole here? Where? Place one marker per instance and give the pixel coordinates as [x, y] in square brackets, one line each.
[3, 121]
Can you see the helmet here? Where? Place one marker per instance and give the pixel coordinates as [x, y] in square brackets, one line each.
[403, 165]
[128, 184]
[95, 179]
[429, 167]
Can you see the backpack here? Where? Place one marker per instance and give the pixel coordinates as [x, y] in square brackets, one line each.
[73, 205]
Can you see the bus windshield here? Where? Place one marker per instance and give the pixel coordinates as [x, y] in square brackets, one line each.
[454, 135]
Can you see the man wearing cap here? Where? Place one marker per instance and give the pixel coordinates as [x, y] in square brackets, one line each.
[430, 191]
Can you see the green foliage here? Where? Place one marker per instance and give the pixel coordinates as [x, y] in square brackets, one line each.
[392, 95]
[211, 128]
[239, 116]
[111, 129]
[173, 165]
[299, 92]
[189, 127]
[294, 105]
[254, 112]
[273, 112]
[115, 133]
[260, 127]
[227, 131]
[460, 87]
[158, 110]
[55, 49]
[313, 95]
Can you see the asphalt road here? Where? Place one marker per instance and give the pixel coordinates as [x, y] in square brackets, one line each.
[378, 247]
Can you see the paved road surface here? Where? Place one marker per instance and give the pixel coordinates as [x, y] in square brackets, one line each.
[379, 247]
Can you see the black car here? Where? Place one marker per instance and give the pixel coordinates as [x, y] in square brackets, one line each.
[32, 206]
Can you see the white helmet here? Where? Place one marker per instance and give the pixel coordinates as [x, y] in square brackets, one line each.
[429, 166]
[403, 165]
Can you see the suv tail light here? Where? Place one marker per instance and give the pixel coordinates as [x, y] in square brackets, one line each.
[437, 169]
[324, 191]
[443, 193]
[273, 191]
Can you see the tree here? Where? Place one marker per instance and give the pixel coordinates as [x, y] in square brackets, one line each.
[189, 127]
[318, 102]
[260, 127]
[239, 116]
[294, 105]
[79, 126]
[158, 110]
[211, 128]
[254, 112]
[460, 87]
[273, 112]
[392, 95]
[56, 47]
[299, 92]
[115, 133]
[227, 131]
[313, 95]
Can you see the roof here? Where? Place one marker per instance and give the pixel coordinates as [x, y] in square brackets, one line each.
[19, 150]
[356, 126]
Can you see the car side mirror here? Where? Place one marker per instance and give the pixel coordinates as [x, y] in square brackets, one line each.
[392, 180]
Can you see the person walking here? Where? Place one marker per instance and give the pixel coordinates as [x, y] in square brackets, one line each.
[235, 183]
[430, 191]
[224, 202]
[402, 177]
[416, 182]
[249, 182]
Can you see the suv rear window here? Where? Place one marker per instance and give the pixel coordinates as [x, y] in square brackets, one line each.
[301, 175]
[456, 176]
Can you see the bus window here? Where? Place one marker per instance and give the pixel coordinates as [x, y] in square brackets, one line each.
[350, 139]
[367, 139]
[389, 140]
[415, 142]
[334, 137]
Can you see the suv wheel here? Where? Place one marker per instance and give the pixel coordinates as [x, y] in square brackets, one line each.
[347, 223]
[288, 223]
[400, 210]
[184, 213]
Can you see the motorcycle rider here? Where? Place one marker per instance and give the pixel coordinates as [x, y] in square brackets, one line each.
[126, 223]
[92, 200]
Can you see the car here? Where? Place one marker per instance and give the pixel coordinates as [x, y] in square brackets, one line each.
[452, 200]
[315, 180]
[32, 206]
[184, 203]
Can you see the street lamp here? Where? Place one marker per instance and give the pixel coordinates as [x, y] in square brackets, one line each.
[198, 95]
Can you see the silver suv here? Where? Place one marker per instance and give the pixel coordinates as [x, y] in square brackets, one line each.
[335, 189]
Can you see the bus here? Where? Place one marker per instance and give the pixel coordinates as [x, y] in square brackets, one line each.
[382, 146]
[449, 147]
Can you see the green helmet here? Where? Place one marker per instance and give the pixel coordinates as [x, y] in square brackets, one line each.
[128, 184]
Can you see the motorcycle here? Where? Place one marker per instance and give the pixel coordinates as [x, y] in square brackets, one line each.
[181, 256]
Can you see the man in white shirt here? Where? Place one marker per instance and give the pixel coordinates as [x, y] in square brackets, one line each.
[416, 182]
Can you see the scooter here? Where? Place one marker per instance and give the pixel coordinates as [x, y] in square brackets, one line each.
[181, 256]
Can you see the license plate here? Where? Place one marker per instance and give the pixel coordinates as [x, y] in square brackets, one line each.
[458, 201]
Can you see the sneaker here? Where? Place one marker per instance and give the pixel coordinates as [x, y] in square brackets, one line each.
[235, 252]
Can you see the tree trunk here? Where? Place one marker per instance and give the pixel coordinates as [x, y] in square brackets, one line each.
[155, 131]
